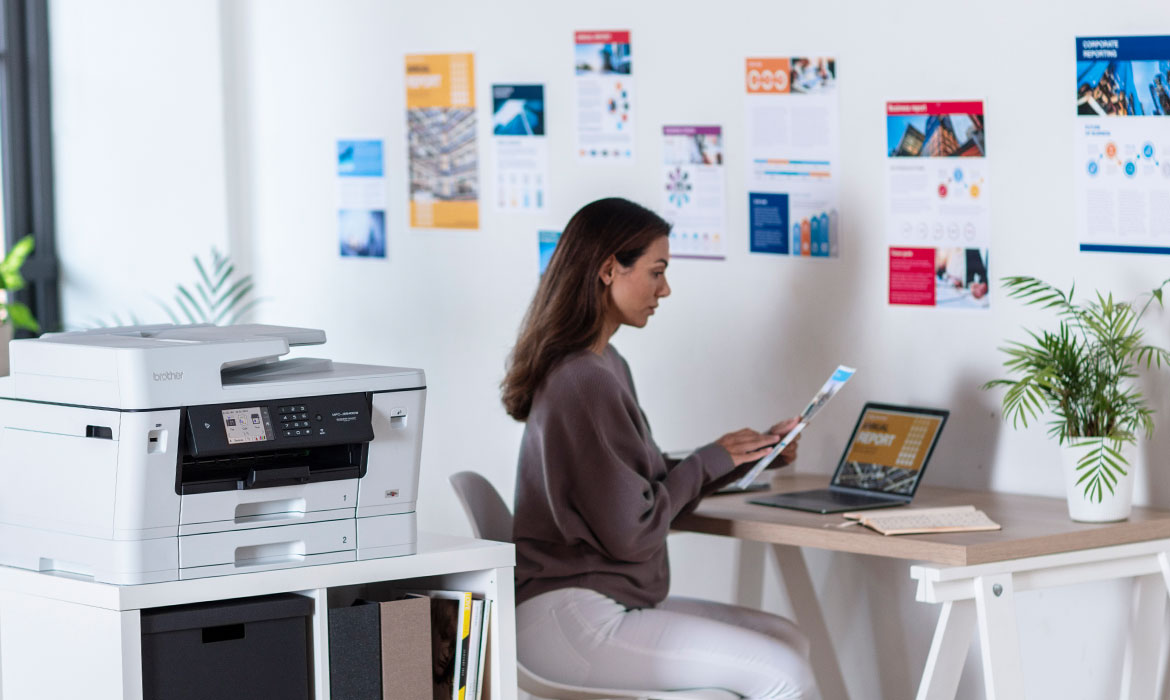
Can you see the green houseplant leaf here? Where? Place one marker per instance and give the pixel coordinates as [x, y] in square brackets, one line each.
[10, 281]
[216, 295]
[1081, 374]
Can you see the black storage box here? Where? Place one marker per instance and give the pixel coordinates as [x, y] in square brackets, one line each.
[228, 650]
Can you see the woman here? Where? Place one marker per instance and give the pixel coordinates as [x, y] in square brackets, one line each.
[595, 497]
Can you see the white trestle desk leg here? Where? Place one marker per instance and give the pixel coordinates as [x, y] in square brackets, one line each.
[1139, 677]
[999, 640]
[794, 575]
[749, 583]
[948, 651]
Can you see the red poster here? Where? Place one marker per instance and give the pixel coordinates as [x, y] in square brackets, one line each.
[912, 276]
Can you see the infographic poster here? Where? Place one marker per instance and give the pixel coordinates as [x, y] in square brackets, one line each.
[605, 96]
[693, 191]
[793, 143]
[937, 220]
[361, 199]
[1123, 144]
[444, 157]
[521, 148]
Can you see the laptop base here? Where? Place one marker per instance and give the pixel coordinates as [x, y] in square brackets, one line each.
[825, 501]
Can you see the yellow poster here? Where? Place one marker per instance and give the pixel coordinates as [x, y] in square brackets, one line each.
[444, 155]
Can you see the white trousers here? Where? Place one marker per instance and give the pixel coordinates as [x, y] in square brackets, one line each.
[581, 637]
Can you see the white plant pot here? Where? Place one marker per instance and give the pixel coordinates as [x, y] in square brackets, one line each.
[1113, 506]
[5, 337]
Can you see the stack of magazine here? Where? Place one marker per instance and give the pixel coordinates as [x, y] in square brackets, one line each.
[459, 637]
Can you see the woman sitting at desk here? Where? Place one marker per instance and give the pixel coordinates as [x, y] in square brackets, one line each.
[595, 497]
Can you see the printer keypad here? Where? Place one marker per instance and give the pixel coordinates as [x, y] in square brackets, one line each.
[294, 420]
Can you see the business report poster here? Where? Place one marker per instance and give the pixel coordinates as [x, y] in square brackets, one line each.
[521, 148]
[937, 220]
[444, 157]
[361, 199]
[1123, 144]
[605, 96]
[693, 191]
[793, 144]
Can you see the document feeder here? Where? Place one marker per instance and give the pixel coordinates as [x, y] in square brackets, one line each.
[154, 453]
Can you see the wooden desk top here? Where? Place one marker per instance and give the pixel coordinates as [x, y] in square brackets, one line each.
[1032, 526]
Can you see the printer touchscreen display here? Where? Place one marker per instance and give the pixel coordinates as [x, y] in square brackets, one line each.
[247, 425]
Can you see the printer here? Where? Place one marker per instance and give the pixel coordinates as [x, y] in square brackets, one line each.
[155, 453]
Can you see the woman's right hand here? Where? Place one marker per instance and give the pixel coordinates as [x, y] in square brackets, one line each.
[747, 445]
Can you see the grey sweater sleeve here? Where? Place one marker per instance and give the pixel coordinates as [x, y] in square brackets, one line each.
[607, 482]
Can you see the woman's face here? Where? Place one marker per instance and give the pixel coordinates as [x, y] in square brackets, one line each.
[635, 290]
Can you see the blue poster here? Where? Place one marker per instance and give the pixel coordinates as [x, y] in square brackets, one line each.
[768, 222]
[548, 243]
[359, 158]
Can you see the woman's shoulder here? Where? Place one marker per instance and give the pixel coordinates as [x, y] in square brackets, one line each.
[581, 372]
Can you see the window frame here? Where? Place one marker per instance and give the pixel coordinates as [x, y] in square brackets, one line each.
[26, 140]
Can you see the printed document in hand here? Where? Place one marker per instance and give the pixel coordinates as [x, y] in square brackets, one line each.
[836, 381]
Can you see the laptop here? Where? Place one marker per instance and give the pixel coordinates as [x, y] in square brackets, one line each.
[882, 464]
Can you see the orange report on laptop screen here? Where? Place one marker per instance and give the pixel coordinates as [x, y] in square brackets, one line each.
[888, 450]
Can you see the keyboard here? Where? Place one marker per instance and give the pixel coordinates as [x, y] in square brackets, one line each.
[825, 501]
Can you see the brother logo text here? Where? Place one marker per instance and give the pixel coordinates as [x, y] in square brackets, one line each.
[167, 376]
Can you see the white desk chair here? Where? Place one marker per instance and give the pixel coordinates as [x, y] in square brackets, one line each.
[491, 520]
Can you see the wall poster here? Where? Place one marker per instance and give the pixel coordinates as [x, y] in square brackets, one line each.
[793, 144]
[444, 157]
[937, 220]
[1123, 144]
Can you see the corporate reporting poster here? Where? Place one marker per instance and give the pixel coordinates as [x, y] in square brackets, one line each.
[1123, 144]
[605, 95]
[692, 191]
[444, 155]
[937, 219]
[520, 148]
[361, 199]
[793, 148]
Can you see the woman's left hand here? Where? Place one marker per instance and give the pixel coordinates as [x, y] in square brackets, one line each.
[788, 454]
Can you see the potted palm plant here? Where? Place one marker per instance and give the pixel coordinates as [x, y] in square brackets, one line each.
[13, 313]
[1082, 374]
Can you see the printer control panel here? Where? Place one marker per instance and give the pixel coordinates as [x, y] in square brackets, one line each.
[280, 424]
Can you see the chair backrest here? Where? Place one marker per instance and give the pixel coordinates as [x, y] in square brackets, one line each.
[489, 515]
[491, 520]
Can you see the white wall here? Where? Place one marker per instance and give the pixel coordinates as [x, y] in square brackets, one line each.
[233, 139]
[139, 149]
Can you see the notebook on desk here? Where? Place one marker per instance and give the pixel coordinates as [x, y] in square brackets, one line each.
[882, 464]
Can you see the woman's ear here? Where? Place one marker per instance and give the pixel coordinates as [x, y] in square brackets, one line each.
[607, 270]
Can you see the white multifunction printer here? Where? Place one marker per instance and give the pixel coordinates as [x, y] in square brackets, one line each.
[154, 453]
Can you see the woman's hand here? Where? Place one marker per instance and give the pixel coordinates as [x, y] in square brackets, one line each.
[748, 445]
[788, 454]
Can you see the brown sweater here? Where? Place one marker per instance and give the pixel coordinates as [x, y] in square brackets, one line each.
[595, 497]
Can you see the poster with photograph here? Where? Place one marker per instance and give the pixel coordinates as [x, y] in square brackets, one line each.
[693, 191]
[937, 220]
[1123, 144]
[444, 157]
[361, 199]
[521, 149]
[546, 244]
[793, 142]
[605, 96]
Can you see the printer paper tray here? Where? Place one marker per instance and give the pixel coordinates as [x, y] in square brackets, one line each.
[246, 507]
[267, 547]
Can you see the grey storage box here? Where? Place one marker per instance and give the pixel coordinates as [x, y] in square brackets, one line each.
[228, 650]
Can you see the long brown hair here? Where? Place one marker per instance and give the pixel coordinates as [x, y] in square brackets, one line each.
[568, 312]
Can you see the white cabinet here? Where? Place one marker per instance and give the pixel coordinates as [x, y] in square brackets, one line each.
[69, 638]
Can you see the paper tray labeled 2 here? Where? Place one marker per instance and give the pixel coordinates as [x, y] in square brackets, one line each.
[268, 547]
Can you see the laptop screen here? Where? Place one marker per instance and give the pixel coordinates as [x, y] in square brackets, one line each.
[889, 448]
